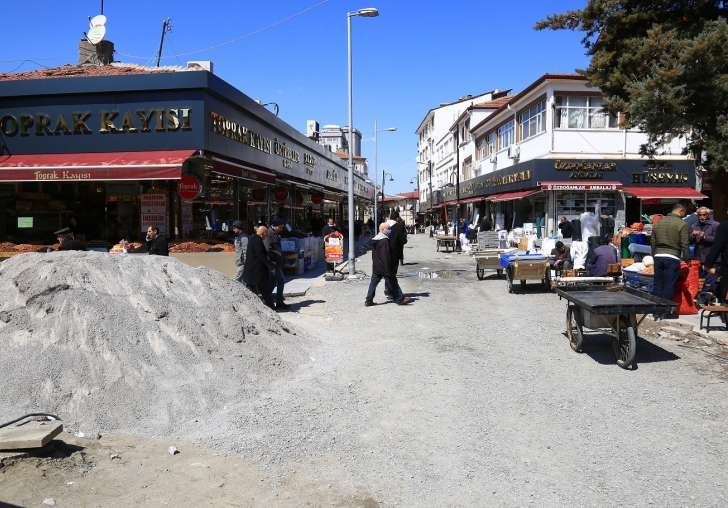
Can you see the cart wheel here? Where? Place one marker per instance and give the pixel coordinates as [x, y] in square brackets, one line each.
[481, 273]
[523, 284]
[546, 284]
[625, 344]
[499, 271]
[509, 278]
[574, 329]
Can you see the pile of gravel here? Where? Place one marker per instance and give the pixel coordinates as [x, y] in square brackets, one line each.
[139, 344]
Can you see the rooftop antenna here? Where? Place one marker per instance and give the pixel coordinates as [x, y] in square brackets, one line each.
[102, 7]
[166, 27]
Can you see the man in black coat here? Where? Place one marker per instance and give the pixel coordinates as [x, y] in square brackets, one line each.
[258, 266]
[67, 241]
[486, 224]
[156, 244]
[397, 240]
[720, 249]
[382, 269]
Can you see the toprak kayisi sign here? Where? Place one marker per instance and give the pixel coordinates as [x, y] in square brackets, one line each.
[188, 188]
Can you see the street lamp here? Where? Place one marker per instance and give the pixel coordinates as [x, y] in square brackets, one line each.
[369, 12]
[384, 179]
[376, 170]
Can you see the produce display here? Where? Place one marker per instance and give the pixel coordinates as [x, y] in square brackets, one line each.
[25, 247]
[193, 247]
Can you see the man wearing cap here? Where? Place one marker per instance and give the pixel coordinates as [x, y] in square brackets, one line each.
[241, 245]
[563, 256]
[275, 254]
[67, 241]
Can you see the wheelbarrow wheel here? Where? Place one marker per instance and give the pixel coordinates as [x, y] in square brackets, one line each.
[499, 271]
[481, 273]
[574, 328]
[625, 343]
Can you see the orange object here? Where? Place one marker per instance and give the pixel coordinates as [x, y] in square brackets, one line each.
[687, 288]
[656, 217]
[637, 226]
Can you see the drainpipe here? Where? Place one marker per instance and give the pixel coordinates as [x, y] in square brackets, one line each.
[552, 103]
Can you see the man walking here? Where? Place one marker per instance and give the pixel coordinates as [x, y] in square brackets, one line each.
[397, 240]
[241, 246]
[258, 266]
[719, 250]
[702, 235]
[275, 254]
[669, 240]
[382, 268]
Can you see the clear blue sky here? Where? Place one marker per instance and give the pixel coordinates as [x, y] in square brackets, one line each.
[414, 56]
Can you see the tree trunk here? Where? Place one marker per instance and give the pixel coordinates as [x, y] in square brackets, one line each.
[718, 183]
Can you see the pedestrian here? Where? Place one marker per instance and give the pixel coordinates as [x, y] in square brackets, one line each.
[357, 229]
[670, 239]
[382, 268]
[486, 224]
[67, 241]
[258, 266]
[329, 228]
[155, 245]
[565, 228]
[370, 225]
[702, 236]
[275, 254]
[397, 240]
[719, 250]
[241, 245]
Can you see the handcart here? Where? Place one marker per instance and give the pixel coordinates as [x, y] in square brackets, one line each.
[614, 312]
[447, 241]
[522, 266]
[489, 259]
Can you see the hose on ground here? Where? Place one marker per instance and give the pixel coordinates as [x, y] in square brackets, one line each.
[28, 416]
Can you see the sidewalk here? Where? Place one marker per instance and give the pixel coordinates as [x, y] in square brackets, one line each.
[718, 331]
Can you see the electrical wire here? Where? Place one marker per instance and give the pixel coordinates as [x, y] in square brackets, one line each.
[23, 63]
[234, 40]
[31, 59]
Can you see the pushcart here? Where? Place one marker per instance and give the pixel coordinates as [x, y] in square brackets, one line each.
[489, 259]
[614, 312]
[525, 267]
[447, 241]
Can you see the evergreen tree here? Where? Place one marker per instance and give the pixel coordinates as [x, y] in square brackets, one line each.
[664, 64]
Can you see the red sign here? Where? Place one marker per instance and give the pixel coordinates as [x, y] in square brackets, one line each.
[258, 194]
[298, 199]
[189, 187]
[581, 186]
[652, 201]
[316, 198]
[280, 193]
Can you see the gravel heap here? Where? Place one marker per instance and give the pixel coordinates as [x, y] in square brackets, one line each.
[139, 344]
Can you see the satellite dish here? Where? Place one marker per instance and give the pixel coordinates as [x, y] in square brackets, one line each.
[99, 20]
[96, 34]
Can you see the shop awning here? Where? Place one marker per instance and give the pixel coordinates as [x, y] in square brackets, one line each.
[240, 171]
[513, 195]
[664, 192]
[74, 167]
[579, 186]
[470, 200]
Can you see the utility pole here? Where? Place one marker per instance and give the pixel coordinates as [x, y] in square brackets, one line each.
[458, 247]
[166, 27]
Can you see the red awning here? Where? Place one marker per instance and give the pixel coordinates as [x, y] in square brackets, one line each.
[74, 167]
[593, 186]
[244, 172]
[664, 192]
[513, 195]
[470, 200]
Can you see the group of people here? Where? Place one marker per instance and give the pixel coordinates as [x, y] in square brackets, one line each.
[387, 253]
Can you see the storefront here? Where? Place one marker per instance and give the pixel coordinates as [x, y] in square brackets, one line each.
[541, 191]
[109, 156]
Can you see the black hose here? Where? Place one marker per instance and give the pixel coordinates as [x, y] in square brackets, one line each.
[28, 416]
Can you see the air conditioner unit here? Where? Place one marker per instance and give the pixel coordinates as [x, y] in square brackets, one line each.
[514, 152]
[493, 158]
[477, 165]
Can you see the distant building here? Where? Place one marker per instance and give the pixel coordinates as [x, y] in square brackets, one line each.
[360, 163]
[334, 138]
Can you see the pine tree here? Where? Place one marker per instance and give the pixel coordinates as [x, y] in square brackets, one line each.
[664, 64]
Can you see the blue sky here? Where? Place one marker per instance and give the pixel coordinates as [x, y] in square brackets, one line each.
[414, 56]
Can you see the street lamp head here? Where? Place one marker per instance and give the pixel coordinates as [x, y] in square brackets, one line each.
[369, 12]
[391, 129]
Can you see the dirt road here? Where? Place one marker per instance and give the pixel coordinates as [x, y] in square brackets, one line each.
[468, 397]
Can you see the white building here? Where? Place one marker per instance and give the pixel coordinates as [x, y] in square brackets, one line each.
[334, 137]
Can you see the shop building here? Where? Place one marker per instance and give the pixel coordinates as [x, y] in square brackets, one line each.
[109, 155]
[549, 152]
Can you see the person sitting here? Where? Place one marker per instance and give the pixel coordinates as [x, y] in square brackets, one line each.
[603, 256]
[563, 256]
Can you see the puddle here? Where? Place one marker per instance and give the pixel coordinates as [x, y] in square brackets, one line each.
[442, 274]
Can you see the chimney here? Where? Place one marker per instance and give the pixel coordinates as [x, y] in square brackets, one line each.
[99, 54]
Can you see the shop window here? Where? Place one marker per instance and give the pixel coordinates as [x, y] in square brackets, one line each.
[506, 135]
[578, 112]
[533, 121]
[481, 149]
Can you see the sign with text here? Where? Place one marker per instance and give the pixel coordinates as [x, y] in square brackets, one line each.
[154, 211]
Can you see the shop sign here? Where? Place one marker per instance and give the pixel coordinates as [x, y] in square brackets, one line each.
[187, 216]
[582, 187]
[333, 197]
[236, 132]
[309, 160]
[258, 194]
[280, 193]
[652, 201]
[316, 198]
[154, 211]
[189, 187]
[583, 170]
[332, 175]
[659, 173]
[298, 198]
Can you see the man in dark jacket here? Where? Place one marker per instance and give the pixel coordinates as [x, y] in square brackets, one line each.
[565, 228]
[258, 266]
[702, 235]
[67, 241]
[156, 244]
[669, 240]
[241, 246]
[397, 240]
[382, 268]
[719, 249]
[275, 254]
[486, 224]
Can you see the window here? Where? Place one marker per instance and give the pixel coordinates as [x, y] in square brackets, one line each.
[573, 112]
[533, 121]
[505, 135]
[491, 143]
[481, 149]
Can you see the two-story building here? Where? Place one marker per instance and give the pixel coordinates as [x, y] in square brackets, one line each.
[550, 152]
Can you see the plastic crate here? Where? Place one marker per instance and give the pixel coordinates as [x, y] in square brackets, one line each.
[507, 259]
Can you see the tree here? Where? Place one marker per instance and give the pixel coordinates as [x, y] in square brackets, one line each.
[664, 65]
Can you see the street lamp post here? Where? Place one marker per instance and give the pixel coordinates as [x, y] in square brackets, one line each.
[384, 178]
[369, 12]
[376, 170]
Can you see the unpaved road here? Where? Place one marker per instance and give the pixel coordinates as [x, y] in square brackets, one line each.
[468, 397]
